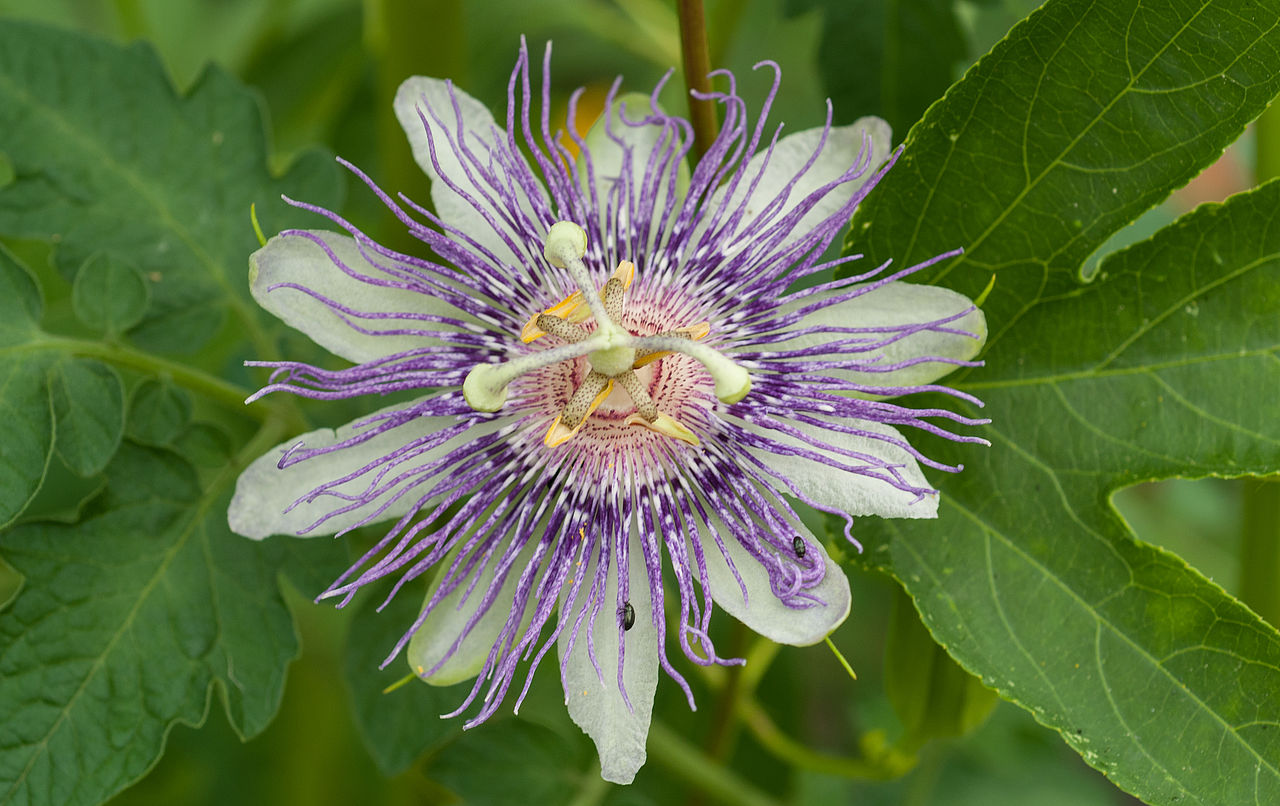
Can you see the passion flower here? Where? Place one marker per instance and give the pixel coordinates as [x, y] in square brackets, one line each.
[622, 365]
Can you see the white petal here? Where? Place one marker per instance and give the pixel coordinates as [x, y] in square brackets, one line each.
[894, 304]
[597, 706]
[420, 98]
[447, 621]
[610, 146]
[264, 491]
[299, 260]
[761, 609]
[788, 158]
[840, 489]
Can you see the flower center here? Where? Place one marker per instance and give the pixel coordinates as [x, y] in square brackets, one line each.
[613, 353]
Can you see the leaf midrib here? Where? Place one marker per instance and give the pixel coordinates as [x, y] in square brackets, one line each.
[146, 192]
[1084, 130]
[197, 513]
[1175, 685]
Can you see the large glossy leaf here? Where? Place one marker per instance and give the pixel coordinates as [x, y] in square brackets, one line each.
[1086, 115]
[1166, 365]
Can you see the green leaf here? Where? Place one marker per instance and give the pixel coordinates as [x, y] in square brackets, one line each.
[932, 696]
[20, 303]
[26, 410]
[109, 159]
[26, 436]
[204, 445]
[400, 725]
[523, 762]
[109, 294]
[1086, 115]
[885, 57]
[1166, 365]
[158, 412]
[88, 402]
[126, 620]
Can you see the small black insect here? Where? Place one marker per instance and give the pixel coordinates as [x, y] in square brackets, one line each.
[798, 546]
[628, 614]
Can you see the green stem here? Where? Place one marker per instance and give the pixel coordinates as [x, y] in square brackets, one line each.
[882, 766]
[719, 743]
[1260, 547]
[1260, 498]
[697, 63]
[782, 746]
[593, 791]
[1266, 132]
[685, 761]
[759, 659]
[226, 393]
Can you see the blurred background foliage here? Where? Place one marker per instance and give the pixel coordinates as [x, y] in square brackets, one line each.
[326, 71]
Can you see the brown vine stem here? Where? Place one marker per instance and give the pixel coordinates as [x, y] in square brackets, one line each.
[697, 63]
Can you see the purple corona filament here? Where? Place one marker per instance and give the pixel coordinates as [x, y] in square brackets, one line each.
[573, 434]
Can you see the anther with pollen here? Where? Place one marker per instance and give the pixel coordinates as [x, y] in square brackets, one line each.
[613, 353]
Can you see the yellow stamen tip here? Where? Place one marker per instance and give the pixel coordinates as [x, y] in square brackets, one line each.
[650, 358]
[531, 330]
[626, 272]
[698, 331]
[567, 306]
[559, 433]
[667, 426]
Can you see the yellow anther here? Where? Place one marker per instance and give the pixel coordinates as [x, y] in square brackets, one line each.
[666, 426]
[695, 332]
[626, 272]
[568, 309]
[560, 433]
[573, 308]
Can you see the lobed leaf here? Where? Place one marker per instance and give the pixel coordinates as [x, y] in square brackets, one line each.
[109, 294]
[158, 413]
[1087, 114]
[126, 620]
[88, 403]
[1166, 365]
[108, 158]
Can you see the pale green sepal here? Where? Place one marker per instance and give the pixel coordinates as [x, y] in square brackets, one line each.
[896, 304]
[596, 705]
[607, 155]
[446, 622]
[761, 609]
[296, 260]
[839, 489]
